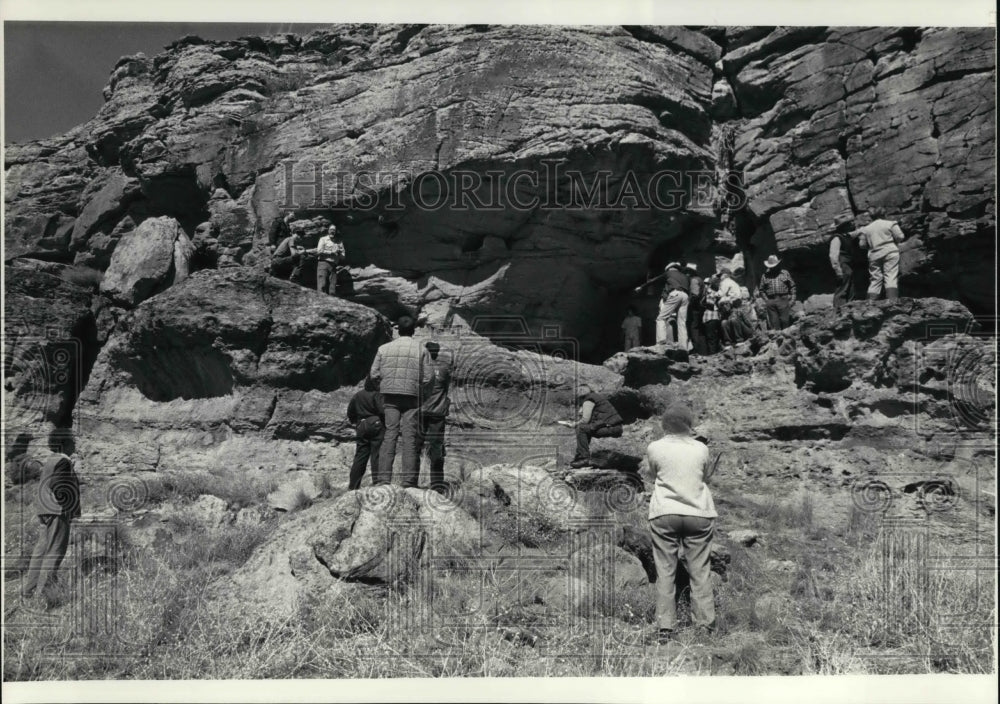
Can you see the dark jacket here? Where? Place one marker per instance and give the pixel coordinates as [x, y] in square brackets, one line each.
[436, 402]
[278, 231]
[604, 414]
[365, 404]
[677, 279]
[58, 488]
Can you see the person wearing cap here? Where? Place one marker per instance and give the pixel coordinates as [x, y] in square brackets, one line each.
[434, 413]
[880, 238]
[845, 256]
[777, 288]
[330, 254]
[400, 367]
[696, 294]
[56, 505]
[681, 518]
[598, 419]
[366, 412]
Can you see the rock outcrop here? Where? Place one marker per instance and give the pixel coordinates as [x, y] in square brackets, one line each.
[378, 534]
[835, 121]
[153, 257]
[224, 357]
[464, 164]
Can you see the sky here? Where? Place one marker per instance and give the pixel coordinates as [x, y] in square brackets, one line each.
[54, 72]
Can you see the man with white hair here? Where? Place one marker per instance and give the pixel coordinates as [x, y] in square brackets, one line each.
[330, 254]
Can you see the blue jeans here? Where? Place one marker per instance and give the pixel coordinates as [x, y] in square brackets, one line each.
[669, 534]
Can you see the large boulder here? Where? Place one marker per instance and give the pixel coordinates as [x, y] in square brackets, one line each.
[223, 358]
[857, 342]
[151, 258]
[377, 534]
[529, 493]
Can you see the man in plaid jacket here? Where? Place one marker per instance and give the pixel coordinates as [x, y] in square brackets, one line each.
[777, 288]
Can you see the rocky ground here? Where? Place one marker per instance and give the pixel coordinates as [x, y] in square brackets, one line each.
[844, 439]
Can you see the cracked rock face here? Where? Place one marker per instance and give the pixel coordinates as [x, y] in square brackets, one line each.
[224, 354]
[814, 121]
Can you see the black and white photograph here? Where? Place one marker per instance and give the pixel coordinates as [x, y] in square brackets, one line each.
[381, 350]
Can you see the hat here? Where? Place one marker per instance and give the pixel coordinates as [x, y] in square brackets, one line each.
[772, 262]
[672, 265]
[691, 266]
[432, 346]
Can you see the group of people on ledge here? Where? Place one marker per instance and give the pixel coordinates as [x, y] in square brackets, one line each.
[290, 256]
[704, 316]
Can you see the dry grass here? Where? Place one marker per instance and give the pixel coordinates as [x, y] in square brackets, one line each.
[833, 611]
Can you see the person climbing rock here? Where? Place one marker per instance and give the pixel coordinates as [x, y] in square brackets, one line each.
[330, 255]
[845, 258]
[399, 367]
[880, 238]
[434, 413]
[598, 419]
[56, 505]
[681, 518]
[673, 305]
[366, 412]
[777, 288]
[631, 329]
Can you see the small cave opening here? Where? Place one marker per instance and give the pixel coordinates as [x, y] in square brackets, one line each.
[178, 195]
[166, 373]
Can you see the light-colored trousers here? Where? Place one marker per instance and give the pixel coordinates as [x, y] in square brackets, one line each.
[883, 270]
[676, 304]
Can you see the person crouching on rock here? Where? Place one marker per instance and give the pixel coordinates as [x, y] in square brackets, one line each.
[598, 419]
[287, 259]
[681, 516]
[366, 412]
[399, 367]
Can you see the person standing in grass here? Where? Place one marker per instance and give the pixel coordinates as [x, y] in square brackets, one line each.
[57, 503]
[681, 516]
[400, 368]
[366, 412]
[434, 413]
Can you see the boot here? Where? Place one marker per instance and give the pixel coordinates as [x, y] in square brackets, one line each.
[872, 296]
[891, 293]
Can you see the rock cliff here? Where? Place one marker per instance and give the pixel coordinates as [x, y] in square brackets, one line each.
[460, 162]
